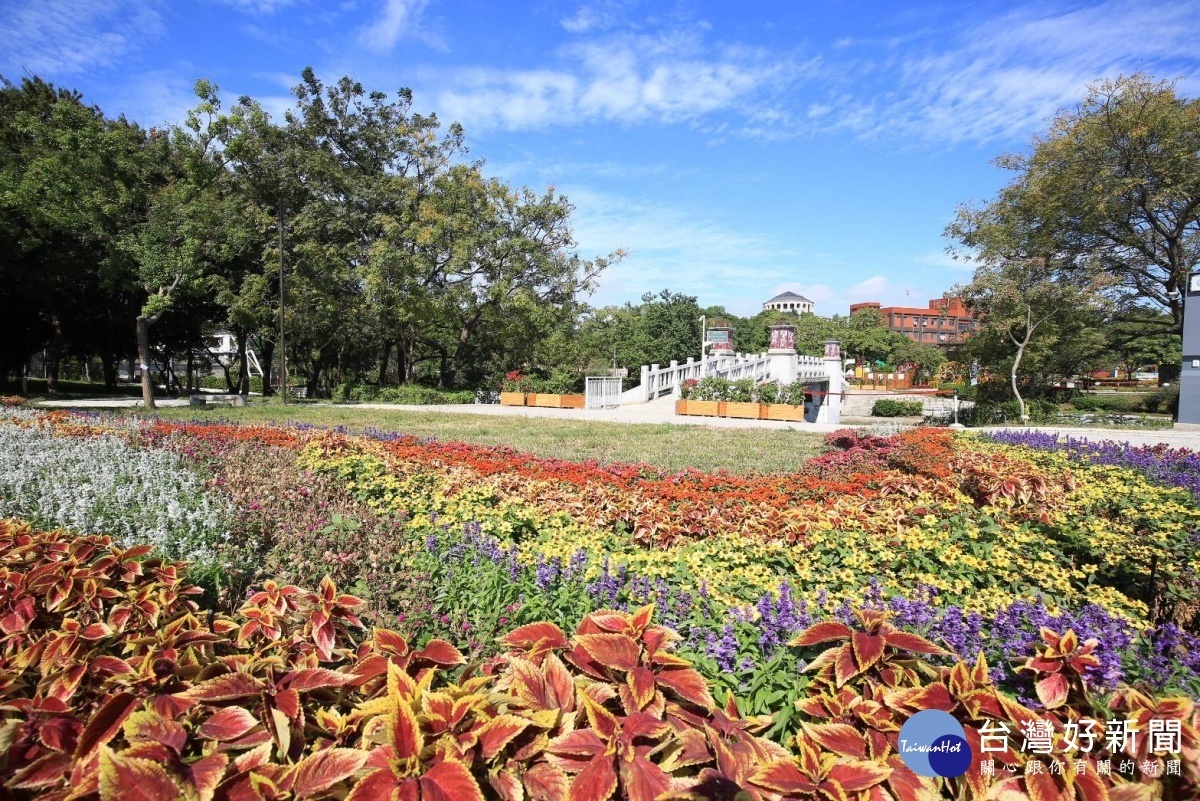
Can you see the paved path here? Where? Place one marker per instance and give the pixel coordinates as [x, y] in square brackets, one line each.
[663, 411]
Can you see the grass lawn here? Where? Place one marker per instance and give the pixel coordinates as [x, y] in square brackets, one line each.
[669, 446]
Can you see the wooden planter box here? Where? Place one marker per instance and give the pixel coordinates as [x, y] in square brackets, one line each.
[556, 401]
[698, 407]
[783, 411]
[745, 411]
[512, 398]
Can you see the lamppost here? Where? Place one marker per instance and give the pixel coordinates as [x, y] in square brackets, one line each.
[283, 388]
[1189, 373]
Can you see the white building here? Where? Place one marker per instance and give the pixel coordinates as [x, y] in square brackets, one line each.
[789, 302]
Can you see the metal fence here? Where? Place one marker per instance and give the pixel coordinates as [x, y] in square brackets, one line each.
[602, 392]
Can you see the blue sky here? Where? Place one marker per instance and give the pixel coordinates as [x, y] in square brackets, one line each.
[734, 149]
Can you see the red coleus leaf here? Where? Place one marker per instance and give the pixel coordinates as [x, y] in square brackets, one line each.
[149, 726]
[1052, 690]
[206, 774]
[642, 780]
[615, 651]
[43, 772]
[228, 687]
[783, 776]
[105, 723]
[839, 738]
[406, 737]
[318, 772]
[596, 782]
[688, 685]
[867, 649]
[390, 642]
[856, 775]
[134, 779]
[911, 642]
[288, 702]
[822, 632]
[440, 652]
[315, 679]
[449, 781]
[229, 723]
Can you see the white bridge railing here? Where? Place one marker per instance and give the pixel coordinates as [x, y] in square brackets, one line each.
[657, 380]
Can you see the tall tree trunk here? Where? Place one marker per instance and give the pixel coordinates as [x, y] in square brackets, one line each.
[143, 355]
[191, 371]
[268, 367]
[53, 358]
[108, 368]
[243, 387]
[383, 363]
[25, 378]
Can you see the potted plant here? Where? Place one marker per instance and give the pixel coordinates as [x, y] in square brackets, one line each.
[513, 389]
[740, 401]
[782, 403]
[687, 393]
[707, 397]
[555, 392]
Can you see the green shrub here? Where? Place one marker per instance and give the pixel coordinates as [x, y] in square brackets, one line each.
[218, 382]
[405, 394]
[889, 407]
[1120, 404]
[1164, 401]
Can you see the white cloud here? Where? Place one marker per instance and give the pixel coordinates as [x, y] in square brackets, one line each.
[1004, 77]
[59, 38]
[258, 6]
[397, 20]
[624, 78]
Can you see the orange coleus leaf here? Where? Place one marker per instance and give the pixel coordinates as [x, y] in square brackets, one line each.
[642, 685]
[544, 782]
[132, 779]
[840, 738]
[688, 685]
[615, 651]
[228, 724]
[499, 732]
[449, 781]
[318, 772]
[440, 652]
[596, 782]
[535, 636]
[822, 632]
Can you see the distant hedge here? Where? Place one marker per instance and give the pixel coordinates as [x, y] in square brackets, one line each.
[888, 407]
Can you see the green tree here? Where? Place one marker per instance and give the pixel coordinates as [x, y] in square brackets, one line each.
[1113, 185]
[1030, 306]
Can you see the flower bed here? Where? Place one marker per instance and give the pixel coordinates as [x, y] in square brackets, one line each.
[110, 694]
[972, 544]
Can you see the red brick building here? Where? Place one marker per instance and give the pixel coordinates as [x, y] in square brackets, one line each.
[944, 322]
